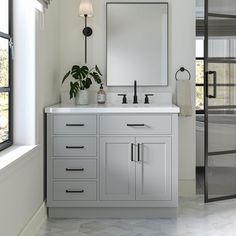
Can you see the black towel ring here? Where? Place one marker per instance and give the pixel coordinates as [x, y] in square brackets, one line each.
[182, 69]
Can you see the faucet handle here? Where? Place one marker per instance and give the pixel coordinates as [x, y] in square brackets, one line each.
[146, 100]
[124, 100]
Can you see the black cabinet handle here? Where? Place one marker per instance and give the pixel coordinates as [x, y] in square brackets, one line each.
[74, 147]
[137, 125]
[138, 152]
[70, 169]
[74, 125]
[74, 191]
[132, 152]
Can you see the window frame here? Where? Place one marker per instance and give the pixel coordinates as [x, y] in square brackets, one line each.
[9, 89]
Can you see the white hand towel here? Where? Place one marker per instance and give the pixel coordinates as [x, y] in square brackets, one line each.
[184, 97]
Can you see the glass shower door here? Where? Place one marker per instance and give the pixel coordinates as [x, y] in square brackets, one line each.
[220, 99]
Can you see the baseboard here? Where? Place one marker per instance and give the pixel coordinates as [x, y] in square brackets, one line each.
[35, 222]
[112, 212]
[187, 188]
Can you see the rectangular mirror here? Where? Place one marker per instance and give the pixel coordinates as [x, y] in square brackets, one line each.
[137, 39]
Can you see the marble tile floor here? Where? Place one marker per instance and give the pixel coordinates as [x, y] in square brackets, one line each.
[194, 219]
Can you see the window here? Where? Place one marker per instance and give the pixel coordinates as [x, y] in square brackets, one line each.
[5, 73]
[200, 75]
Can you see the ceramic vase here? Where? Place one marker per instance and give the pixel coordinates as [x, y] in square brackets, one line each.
[82, 97]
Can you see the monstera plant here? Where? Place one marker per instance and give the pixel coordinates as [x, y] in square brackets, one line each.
[83, 77]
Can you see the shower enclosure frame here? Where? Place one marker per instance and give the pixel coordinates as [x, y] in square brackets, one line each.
[208, 60]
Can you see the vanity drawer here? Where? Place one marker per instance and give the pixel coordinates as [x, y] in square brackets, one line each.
[135, 124]
[75, 169]
[75, 146]
[74, 124]
[74, 191]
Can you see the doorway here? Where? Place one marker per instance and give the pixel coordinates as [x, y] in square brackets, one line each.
[218, 119]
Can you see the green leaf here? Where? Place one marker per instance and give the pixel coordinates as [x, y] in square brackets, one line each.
[84, 71]
[79, 73]
[75, 72]
[97, 69]
[65, 77]
[83, 84]
[88, 82]
[74, 87]
[96, 77]
[75, 68]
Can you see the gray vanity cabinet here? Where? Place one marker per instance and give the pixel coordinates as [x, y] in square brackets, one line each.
[100, 161]
[117, 168]
[71, 159]
[153, 169]
[135, 168]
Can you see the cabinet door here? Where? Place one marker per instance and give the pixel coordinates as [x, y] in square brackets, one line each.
[117, 170]
[153, 168]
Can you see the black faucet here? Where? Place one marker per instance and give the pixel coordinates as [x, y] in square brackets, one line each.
[135, 101]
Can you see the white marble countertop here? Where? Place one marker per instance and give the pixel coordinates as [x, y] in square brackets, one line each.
[109, 108]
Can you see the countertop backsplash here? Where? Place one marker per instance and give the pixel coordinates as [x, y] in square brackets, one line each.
[113, 98]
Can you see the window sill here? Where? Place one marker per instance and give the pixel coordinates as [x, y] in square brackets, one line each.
[14, 154]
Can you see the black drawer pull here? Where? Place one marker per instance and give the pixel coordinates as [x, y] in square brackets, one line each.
[69, 169]
[74, 191]
[137, 125]
[74, 147]
[74, 125]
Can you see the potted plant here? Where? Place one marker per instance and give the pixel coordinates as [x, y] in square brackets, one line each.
[83, 77]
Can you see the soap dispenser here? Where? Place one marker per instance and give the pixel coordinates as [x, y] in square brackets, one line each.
[101, 95]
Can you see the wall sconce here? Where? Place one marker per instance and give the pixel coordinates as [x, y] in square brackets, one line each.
[86, 10]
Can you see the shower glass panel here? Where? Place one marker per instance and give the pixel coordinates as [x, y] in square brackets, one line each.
[220, 100]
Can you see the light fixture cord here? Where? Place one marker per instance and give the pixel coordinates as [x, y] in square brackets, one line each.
[85, 56]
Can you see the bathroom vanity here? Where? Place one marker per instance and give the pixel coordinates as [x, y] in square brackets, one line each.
[112, 161]
[119, 160]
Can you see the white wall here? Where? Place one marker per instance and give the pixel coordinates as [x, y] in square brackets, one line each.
[181, 53]
[48, 63]
[22, 185]
[21, 193]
